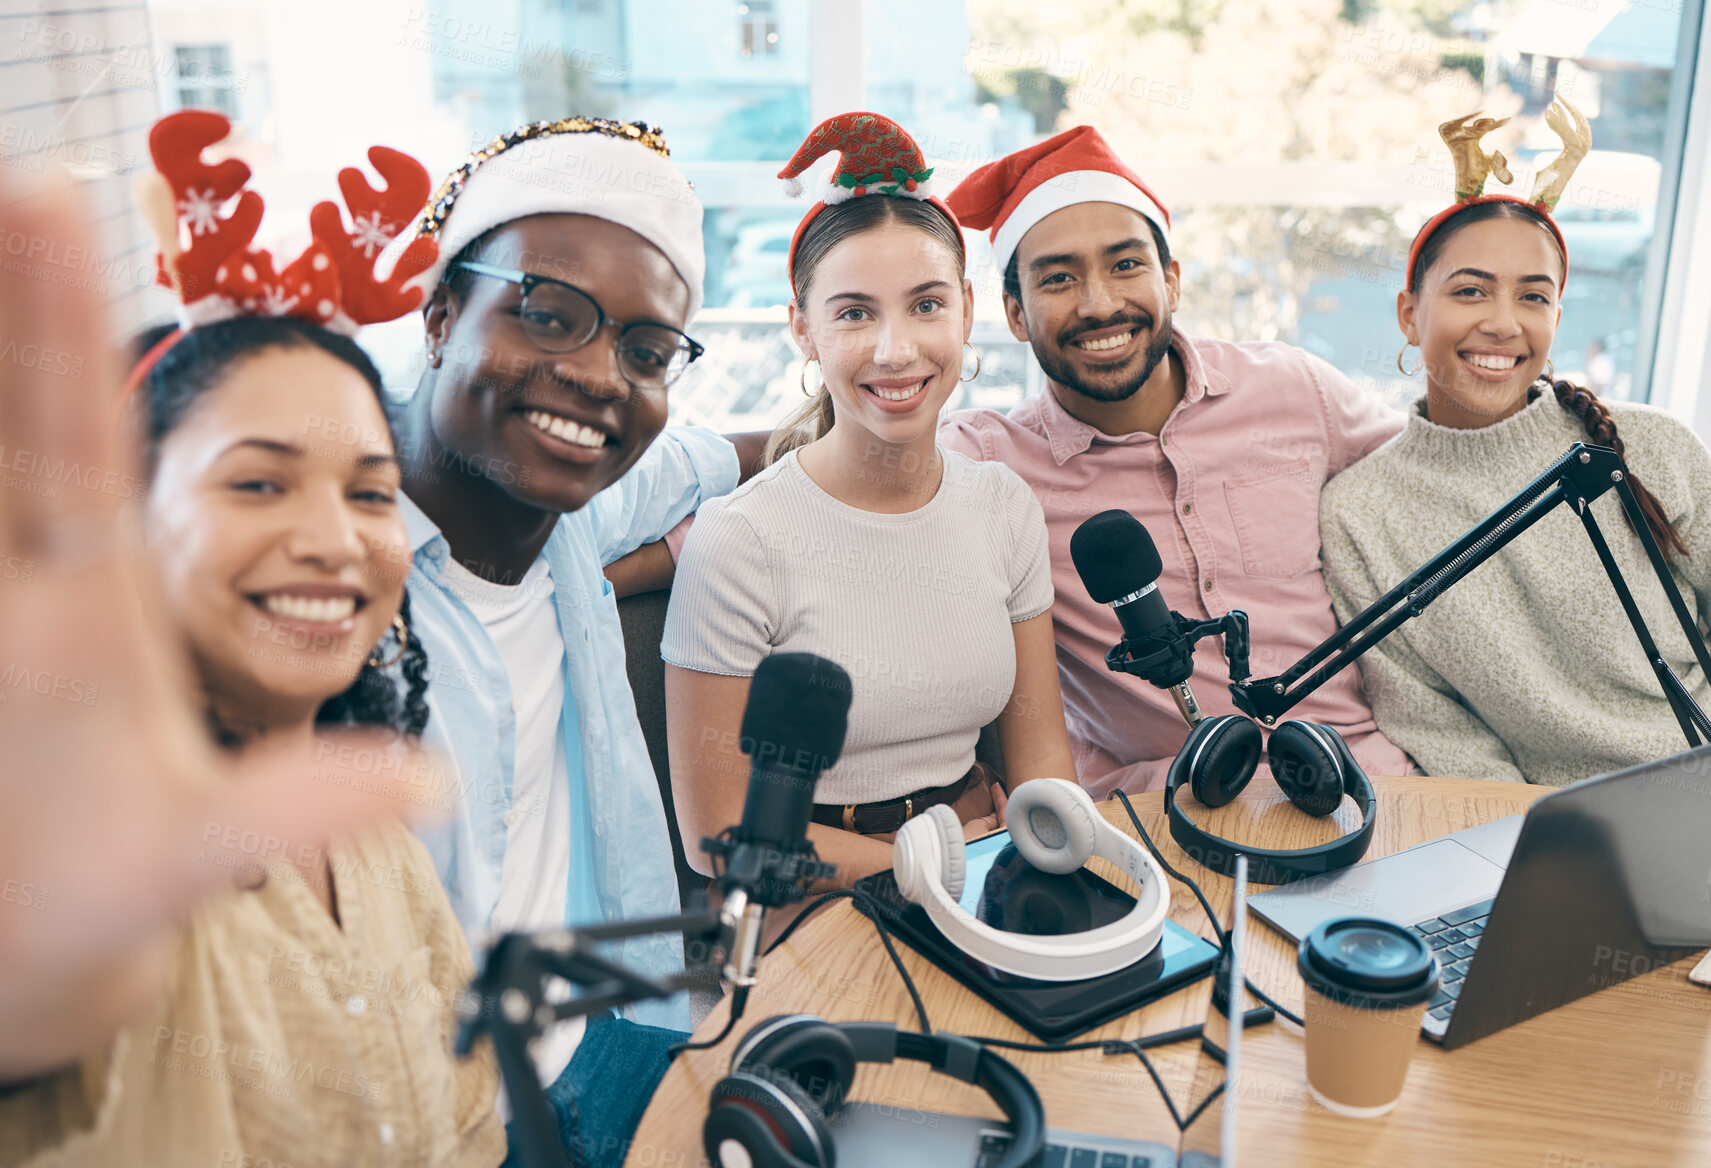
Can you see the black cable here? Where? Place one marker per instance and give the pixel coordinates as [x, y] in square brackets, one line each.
[1205, 905]
[867, 901]
[1204, 1104]
[863, 902]
[1105, 1045]
[739, 1003]
[1266, 998]
[1258, 1016]
[1223, 937]
[1170, 1104]
[813, 907]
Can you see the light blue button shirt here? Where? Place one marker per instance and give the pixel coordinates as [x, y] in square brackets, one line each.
[617, 815]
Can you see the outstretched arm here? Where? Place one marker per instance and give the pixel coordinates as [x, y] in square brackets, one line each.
[116, 811]
[652, 567]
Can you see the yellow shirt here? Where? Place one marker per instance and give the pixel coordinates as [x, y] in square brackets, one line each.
[288, 1039]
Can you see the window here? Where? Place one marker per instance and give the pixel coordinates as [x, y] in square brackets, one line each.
[205, 79]
[1296, 145]
[78, 89]
[759, 32]
[1294, 141]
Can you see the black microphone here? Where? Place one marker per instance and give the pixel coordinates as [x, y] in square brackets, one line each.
[793, 729]
[1119, 566]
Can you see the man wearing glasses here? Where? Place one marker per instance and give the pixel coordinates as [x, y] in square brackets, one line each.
[570, 260]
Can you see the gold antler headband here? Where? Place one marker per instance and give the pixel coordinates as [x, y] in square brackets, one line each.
[1571, 126]
[1474, 164]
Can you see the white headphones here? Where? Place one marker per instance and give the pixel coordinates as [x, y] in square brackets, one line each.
[1055, 827]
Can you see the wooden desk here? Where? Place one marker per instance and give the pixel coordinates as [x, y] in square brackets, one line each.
[1622, 1077]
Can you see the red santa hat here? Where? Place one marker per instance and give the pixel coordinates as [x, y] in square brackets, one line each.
[876, 156]
[1077, 166]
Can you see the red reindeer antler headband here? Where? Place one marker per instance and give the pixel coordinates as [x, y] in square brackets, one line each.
[207, 258]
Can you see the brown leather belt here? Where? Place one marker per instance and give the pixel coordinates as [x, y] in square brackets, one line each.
[890, 814]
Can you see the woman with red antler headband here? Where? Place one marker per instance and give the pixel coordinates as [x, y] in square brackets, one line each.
[305, 1015]
[1527, 670]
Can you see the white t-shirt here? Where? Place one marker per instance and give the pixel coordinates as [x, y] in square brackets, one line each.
[523, 622]
[918, 607]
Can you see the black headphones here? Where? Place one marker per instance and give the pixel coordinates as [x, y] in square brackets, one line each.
[789, 1075]
[1311, 764]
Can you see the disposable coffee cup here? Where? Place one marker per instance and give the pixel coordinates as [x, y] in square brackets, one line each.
[1368, 982]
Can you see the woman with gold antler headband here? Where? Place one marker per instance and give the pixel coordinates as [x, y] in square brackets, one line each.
[305, 1015]
[1527, 669]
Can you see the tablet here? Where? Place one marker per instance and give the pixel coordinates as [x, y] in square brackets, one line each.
[1004, 891]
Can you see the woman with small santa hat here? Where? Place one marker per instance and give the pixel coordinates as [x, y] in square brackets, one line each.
[922, 572]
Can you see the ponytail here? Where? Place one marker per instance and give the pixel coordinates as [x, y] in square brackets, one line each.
[807, 423]
[1595, 416]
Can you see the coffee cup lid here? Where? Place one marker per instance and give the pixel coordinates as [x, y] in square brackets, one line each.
[1368, 961]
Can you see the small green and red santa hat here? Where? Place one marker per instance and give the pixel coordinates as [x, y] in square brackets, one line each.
[876, 156]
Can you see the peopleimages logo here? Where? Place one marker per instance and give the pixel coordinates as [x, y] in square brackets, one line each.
[251, 1066]
[45, 470]
[47, 684]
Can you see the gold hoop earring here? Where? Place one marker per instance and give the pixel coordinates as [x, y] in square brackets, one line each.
[1399, 366]
[976, 373]
[1550, 372]
[402, 632]
[802, 378]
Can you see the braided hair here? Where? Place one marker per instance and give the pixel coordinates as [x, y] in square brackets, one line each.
[198, 362]
[1600, 426]
[1594, 415]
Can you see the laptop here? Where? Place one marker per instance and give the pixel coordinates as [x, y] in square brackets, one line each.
[1600, 881]
[869, 1133]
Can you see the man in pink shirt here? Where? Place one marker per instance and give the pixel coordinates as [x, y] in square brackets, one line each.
[1219, 449]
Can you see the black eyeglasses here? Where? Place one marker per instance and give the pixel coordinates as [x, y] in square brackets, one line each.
[561, 318]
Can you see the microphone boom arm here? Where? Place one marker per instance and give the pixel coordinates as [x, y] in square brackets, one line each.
[1582, 475]
[1170, 655]
[506, 1001]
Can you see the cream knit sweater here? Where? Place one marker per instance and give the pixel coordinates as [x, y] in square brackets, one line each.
[1527, 669]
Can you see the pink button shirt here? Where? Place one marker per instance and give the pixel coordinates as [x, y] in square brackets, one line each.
[1229, 491]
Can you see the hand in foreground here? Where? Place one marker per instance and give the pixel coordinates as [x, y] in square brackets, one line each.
[116, 813]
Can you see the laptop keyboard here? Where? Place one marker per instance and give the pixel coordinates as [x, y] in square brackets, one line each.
[1059, 1155]
[1454, 938]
